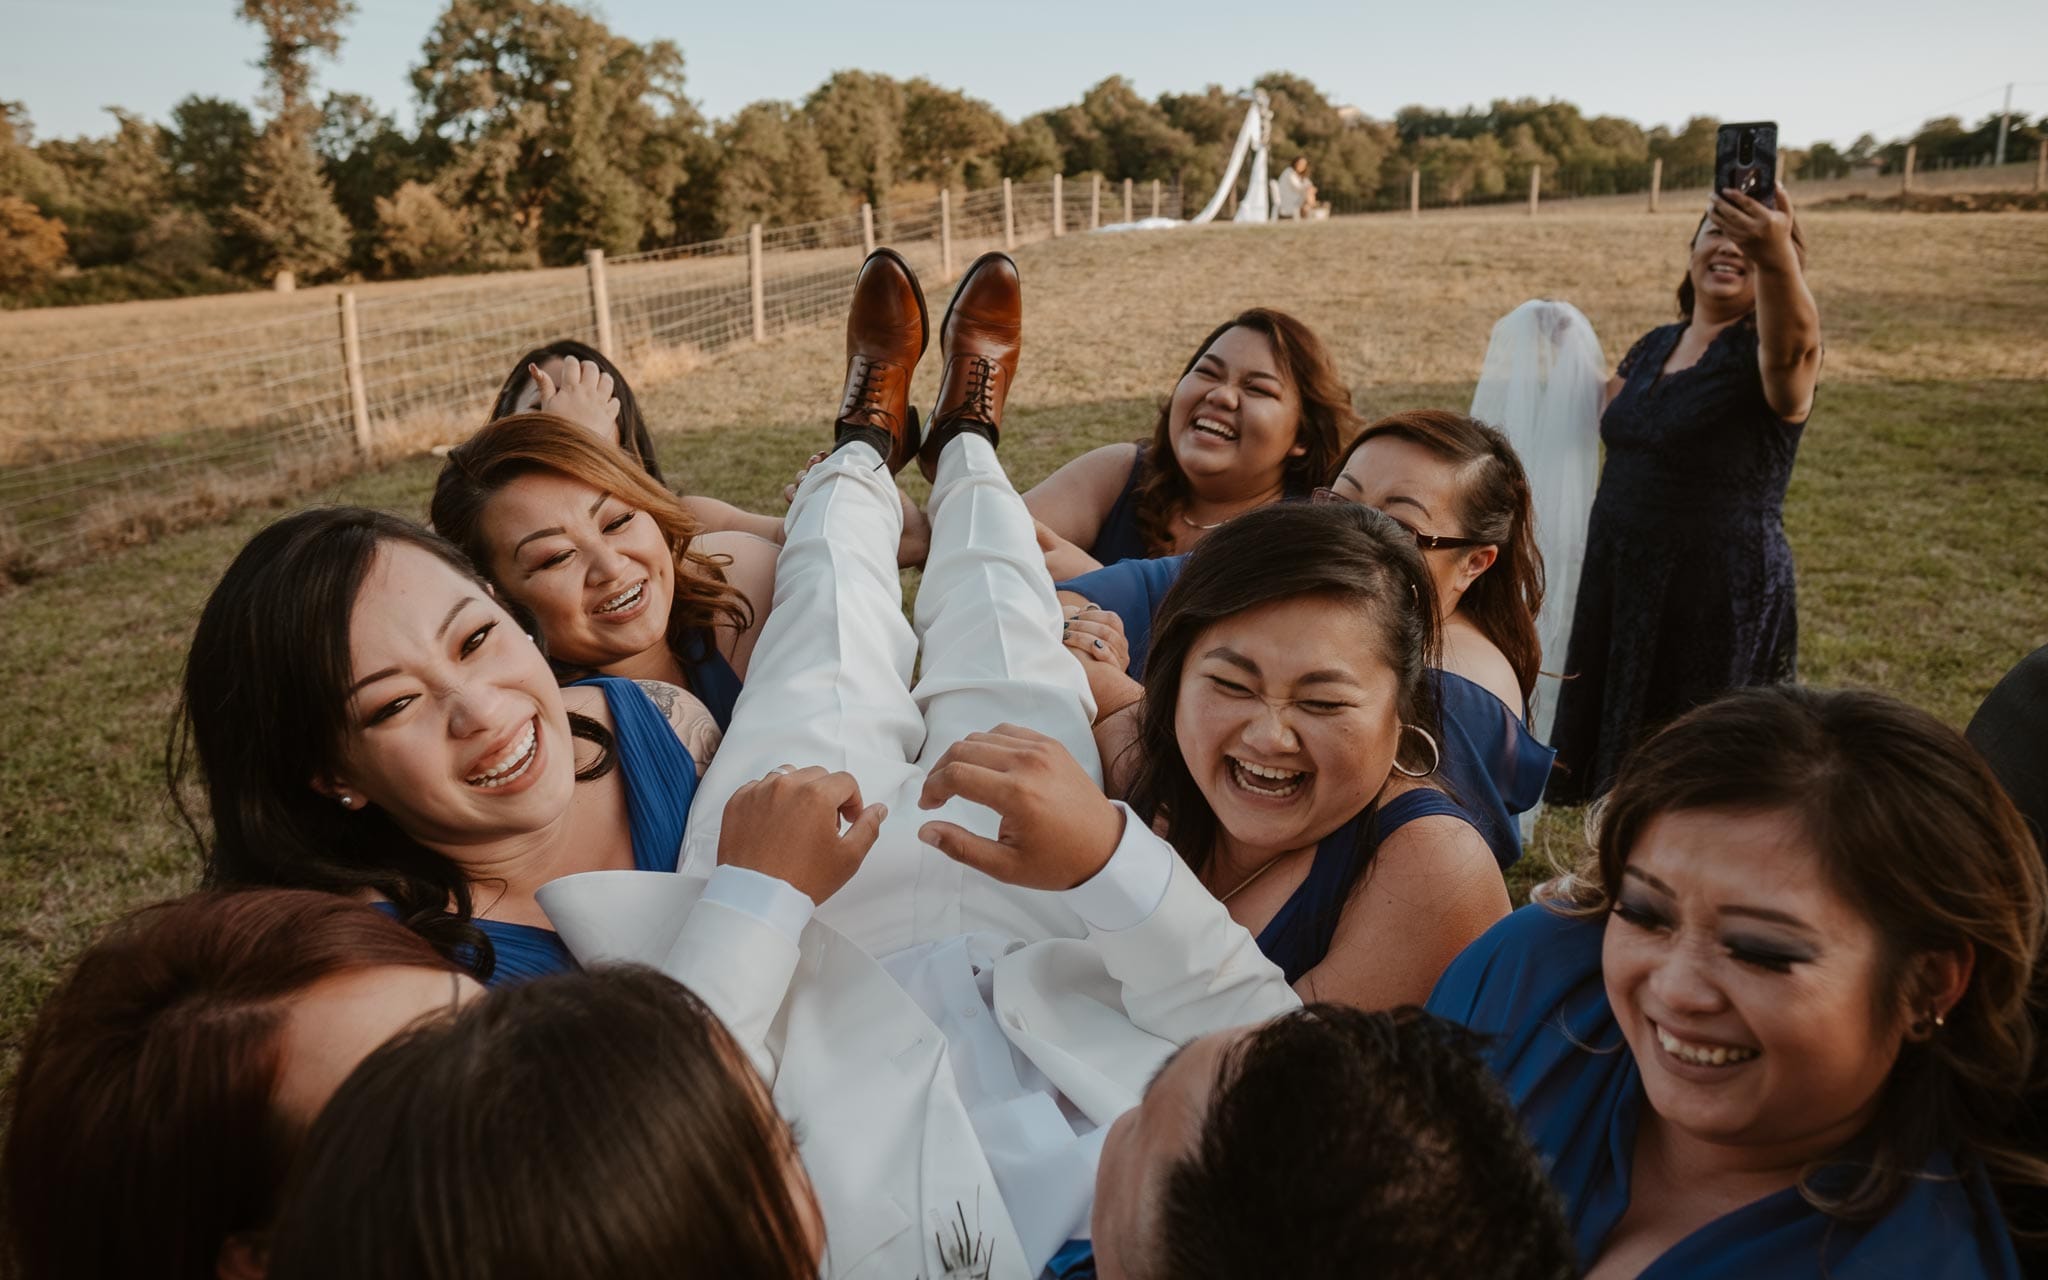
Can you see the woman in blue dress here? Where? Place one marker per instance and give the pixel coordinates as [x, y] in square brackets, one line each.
[615, 574]
[1457, 485]
[1258, 416]
[368, 720]
[1687, 587]
[1778, 1025]
[1287, 741]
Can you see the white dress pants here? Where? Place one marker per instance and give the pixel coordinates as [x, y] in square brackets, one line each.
[829, 684]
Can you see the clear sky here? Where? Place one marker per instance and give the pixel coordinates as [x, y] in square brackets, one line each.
[1825, 69]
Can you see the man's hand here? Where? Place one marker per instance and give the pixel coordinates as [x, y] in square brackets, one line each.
[787, 826]
[584, 396]
[1058, 828]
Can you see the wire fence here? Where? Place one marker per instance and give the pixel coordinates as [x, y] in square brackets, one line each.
[116, 442]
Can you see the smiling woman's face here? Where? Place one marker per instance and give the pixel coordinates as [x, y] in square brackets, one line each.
[1236, 413]
[1288, 718]
[594, 571]
[1721, 273]
[455, 727]
[1746, 984]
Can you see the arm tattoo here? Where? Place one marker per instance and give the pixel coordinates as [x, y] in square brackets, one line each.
[665, 696]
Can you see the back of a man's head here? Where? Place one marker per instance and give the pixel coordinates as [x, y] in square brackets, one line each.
[1344, 1143]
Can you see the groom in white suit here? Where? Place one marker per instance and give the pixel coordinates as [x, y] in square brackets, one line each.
[952, 1011]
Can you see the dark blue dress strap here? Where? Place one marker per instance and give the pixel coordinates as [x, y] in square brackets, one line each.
[1492, 763]
[1119, 537]
[659, 774]
[711, 677]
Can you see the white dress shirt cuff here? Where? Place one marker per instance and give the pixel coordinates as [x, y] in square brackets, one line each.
[1131, 885]
[773, 902]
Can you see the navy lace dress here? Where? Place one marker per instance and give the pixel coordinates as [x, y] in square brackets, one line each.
[1687, 588]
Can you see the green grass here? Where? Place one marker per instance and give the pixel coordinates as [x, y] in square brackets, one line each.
[1918, 512]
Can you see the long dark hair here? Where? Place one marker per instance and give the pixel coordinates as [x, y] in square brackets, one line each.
[147, 1081]
[601, 1125]
[1326, 417]
[265, 711]
[529, 442]
[1348, 553]
[1494, 503]
[1910, 826]
[1686, 294]
[633, 434]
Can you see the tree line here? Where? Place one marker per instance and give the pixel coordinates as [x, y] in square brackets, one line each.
[541, 133]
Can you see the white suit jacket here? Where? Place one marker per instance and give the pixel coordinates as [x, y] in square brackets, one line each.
[863, 1073]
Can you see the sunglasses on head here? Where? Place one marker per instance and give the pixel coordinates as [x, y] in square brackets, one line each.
[1426, 541]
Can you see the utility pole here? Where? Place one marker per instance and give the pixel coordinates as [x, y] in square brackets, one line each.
[2004, 122]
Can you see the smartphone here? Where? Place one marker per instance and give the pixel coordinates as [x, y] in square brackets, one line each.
[1746, 159]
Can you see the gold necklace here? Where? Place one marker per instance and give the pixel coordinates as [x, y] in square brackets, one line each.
[1203, 527]
[1264, 867]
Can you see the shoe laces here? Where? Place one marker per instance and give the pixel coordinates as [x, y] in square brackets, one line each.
[979, 396]
[864, 396]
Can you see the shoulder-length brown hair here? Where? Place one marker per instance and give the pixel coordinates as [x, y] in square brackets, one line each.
[601, 1125]
[1913, 829]
[524, 443]
[1326, 418]
[1494, 504]
[1352, 555]
[142, 1137]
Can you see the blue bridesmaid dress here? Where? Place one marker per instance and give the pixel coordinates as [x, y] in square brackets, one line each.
[1532, 985]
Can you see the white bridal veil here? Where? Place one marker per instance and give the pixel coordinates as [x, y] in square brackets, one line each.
[1542, 384]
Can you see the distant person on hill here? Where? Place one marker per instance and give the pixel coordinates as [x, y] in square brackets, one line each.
[1543, 384]
[1687, 588]
[576, 381]
[1259, 415]
[1297, 193]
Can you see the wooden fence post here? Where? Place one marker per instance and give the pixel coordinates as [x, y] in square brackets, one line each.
[1127, 198]
[1095, 202]
[1656, 181]
[1155, 197]
[1059, 205]
[600, 301]
[2041, 165]
[1535, 186]
[1009, 218]
[867, 227]
[352, 363]
[946, 233]
[1908, 184]
[1414, 193]
[755, 284]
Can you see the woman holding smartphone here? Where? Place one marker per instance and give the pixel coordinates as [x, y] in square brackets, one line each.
[1687, 587]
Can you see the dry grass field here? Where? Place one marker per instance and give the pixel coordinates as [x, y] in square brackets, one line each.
[1918, 513]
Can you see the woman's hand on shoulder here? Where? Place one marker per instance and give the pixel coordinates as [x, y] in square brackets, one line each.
[1074, 501]
[694, 725]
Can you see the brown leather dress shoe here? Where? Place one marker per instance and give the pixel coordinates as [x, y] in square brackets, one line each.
[886, 332]
[979, 341]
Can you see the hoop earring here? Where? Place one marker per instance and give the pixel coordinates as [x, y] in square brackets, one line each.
[1436, 755]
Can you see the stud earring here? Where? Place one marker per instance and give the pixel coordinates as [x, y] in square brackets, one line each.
[348, 802]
